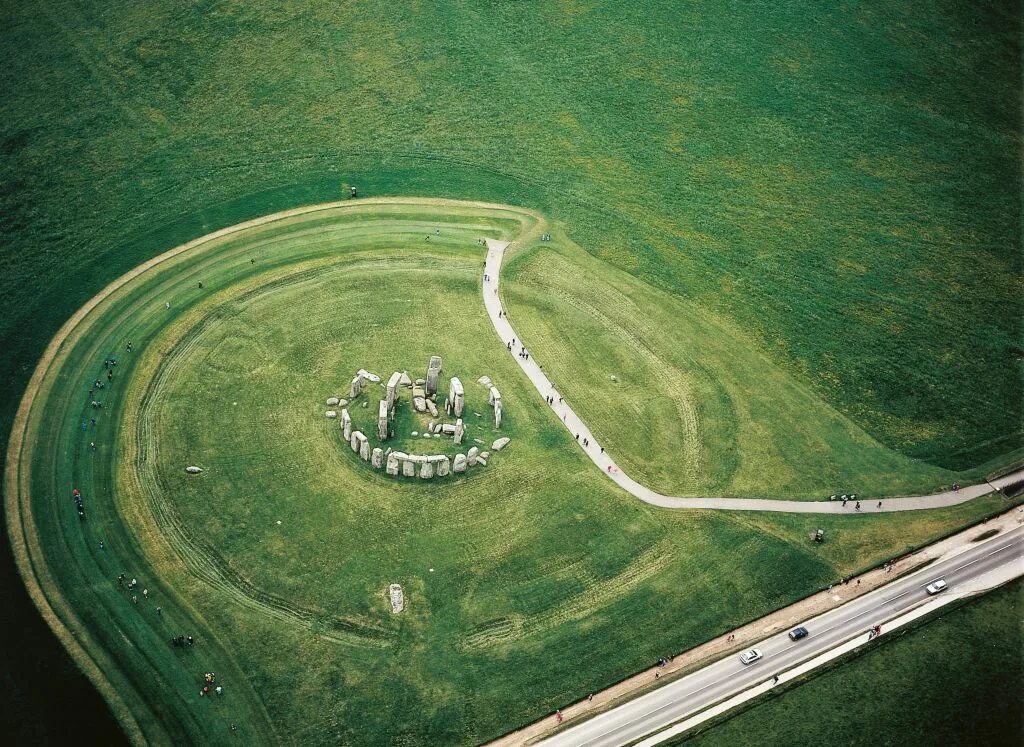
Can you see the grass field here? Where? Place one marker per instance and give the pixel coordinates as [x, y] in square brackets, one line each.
[838, 188]
[547, 584]
[954, 681]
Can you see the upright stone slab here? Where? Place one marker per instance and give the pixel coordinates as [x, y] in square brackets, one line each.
[497, 414]
[364, 448]
[456, 401]
[433, 371]
[355, 387]
[460, 463]
[383, 415]
[354, 441]
[377, 458]
[409, 468]
[460, 431]
[444, 466]
[426, 471]
[346, 425]
[405, 380]
[392, 465]
[392, 390]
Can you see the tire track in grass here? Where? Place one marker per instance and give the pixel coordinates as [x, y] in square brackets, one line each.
[201, 558]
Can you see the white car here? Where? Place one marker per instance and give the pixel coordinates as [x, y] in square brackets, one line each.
[749, 657]
[935, 586]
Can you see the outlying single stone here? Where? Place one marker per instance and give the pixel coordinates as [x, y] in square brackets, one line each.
[193, 470]
[501, 443]
[397, 598]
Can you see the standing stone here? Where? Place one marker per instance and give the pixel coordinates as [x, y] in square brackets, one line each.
[354, 441]
[459, 464]
[405, 380]
[472, 455]
[460, 431]
[444, 467]
[492, 395]
[426, 471]
[364, 449]
[433, 371]
[501, 443]
[355, 387]
[409, 468]
[346, 425]
[392, 466]
[456, 400]
[392, 390]
[383, 414]
[377, 458]
[397, 598]
[497, 414]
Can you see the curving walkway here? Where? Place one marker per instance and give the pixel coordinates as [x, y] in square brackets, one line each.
[492, 302]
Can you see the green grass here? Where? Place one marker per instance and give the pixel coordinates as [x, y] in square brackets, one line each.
[548, 582]
[956, 680]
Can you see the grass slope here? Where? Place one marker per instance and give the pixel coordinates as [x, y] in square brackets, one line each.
[548, 582]
[956, 680]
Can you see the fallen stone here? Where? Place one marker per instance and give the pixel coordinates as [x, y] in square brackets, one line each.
[420, 404]
[448, 429]
[342, 403]
[330, 414]
[485, 380]
[432, 408]
[485, 455]
[193, 470]
[332, 401]
[363, 373]
[415, 433]
[501, 443]
[420, 382]
[377, 458]
[473, 451]
[460, 463]
[481, 461]
[479, 441]
[426, 435]
[397, 598]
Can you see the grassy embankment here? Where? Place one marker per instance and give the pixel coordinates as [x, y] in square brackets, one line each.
[547, 581]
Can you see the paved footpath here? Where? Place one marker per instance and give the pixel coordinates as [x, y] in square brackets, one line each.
[492, 302]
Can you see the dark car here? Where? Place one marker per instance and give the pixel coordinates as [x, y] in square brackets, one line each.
[797, 633]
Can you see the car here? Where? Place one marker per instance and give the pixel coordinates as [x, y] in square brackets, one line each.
[797, 633]
[935, 586]
[749, 657]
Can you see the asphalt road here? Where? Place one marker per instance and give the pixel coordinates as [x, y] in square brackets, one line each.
[728, 677]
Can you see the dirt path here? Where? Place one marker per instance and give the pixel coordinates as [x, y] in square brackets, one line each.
[575, 425]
